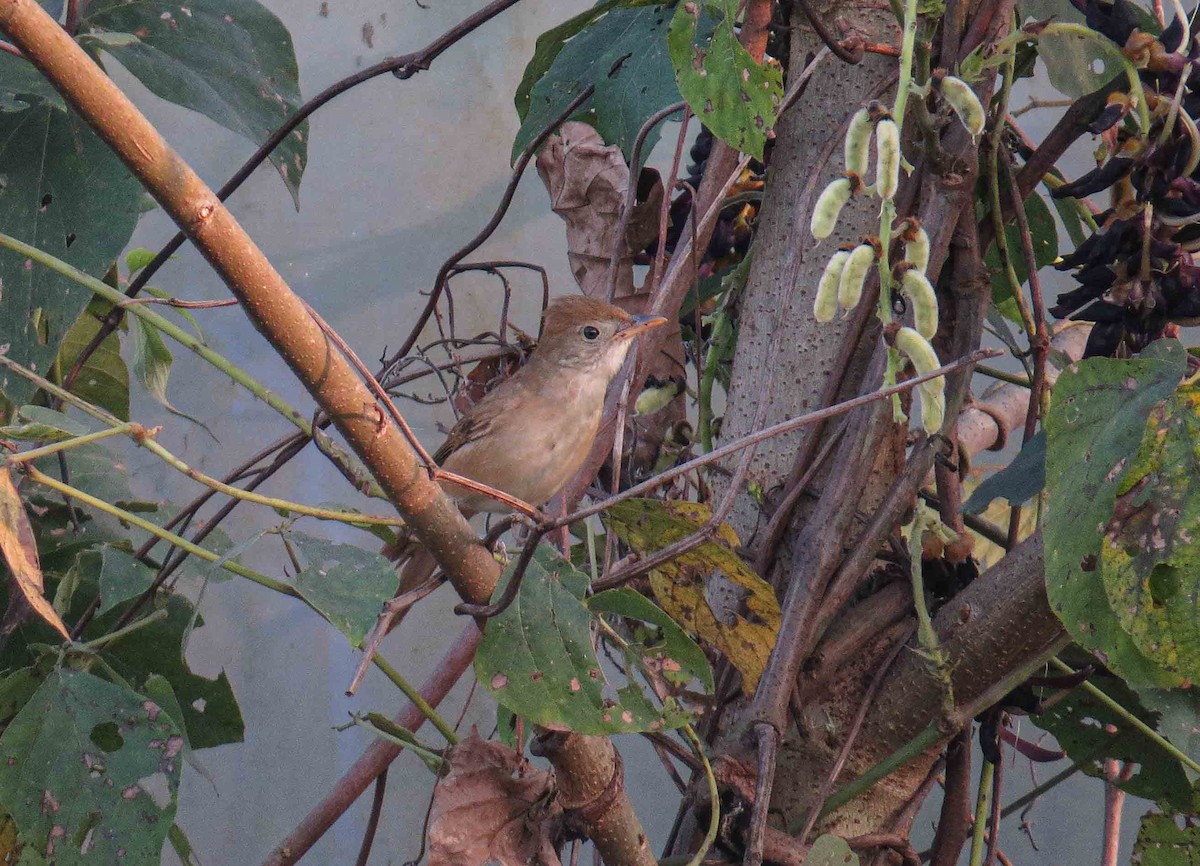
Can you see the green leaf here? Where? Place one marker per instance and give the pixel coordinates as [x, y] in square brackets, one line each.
[21, 85]
[536, 658]
[230, 60]
[210, 710]
[633, 40]
[1150, 558]
[1097, 417]
[15, 691]
[182, 846]
[94, 469]
[677, 656]
[152, 362]
[830, 850]
[63, 191]
[732, 95]
[1018, 482]
[1043, 232]
[1089, 732]
[547, 48]
[104, 379]
[346, 584]
[121, 577]
[90, 771]
[1162, 842]
[37, 423]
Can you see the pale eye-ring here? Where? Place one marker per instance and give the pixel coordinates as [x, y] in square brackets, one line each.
[590, 333]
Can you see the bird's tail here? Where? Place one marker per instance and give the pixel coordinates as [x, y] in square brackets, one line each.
[414, 563]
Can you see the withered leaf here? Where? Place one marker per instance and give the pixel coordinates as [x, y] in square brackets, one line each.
[493, 807]
[20, 552]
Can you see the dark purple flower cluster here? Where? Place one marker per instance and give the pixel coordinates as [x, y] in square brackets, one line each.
[1136, 273]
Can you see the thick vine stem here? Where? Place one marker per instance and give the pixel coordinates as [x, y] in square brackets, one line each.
[281, 316]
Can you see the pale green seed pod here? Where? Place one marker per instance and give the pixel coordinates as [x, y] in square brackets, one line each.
[916, 250]
[917, 350]
[829, 206]
[858, 142]
[887, 157]
[924, 360]
[915, 286]
[933, 404]
[963, 100]
[825, 305]
[854, 275]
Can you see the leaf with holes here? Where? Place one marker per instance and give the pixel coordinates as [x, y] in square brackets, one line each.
[536, 659]
[346, 584]
[230, 60]
[1097, 418]
[89, 771]
[745, 625]
[63, 191]
[733, 96]
[622, 50]
[1150, 557]
[1161, 841]
[1090, 733]
[210, 709]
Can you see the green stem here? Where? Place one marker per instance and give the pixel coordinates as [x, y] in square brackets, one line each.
[1129, 717]
[383, 727]
[1054, 781]
[143, 437]
[714, 798]
[186, 340]
[722, 331]
[417, 700]
[157, 531]
[897, 759]
[1011, 378]
[106, 639]
[67, 444]
[983, 802]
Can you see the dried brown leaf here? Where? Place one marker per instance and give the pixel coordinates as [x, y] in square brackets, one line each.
[493, 807]
[20, 552]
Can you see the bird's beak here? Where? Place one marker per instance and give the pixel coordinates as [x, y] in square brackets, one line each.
[637, 324]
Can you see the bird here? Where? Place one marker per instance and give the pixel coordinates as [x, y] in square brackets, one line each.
[531, 433]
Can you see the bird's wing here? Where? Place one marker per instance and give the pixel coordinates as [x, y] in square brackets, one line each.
[471, 426]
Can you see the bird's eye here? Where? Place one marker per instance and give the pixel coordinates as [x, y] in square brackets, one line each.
[589, 333]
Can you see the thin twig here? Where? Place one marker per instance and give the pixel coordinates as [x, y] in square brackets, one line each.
[364, 851]
[631, 191]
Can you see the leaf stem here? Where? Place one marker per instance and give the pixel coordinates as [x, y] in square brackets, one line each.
[417, 700]
[1163, 743]
[714, 798]
[186, 340]
[170, 537]
[67, 444]
[105, 639]
[982, 806]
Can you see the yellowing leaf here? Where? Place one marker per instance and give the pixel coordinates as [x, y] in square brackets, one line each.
[746, 633]
[20, 551]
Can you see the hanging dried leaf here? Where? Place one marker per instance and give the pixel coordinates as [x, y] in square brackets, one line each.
[493, 807]
[20, 552]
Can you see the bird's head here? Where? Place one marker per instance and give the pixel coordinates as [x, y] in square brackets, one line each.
[588, 335]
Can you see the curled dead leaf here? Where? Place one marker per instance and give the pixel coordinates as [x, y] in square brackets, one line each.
[20, 552]
[493, 807]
